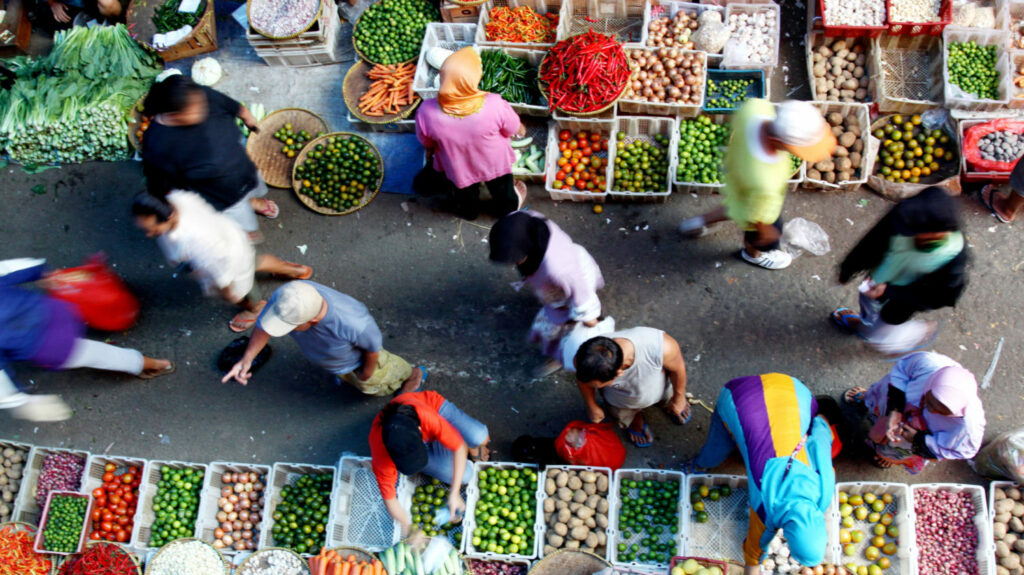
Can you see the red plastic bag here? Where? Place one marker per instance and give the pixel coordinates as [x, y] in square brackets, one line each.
[99, 294]
[975, 133]
[593, 444]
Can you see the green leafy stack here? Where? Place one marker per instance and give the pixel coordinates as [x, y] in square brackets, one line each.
[166, 18]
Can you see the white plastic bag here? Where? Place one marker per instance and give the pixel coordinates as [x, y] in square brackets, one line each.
[800, 234]
[1003, 457]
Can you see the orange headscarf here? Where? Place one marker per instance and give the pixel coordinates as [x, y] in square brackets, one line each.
[460, 93]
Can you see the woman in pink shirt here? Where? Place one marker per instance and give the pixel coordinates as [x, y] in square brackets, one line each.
[466, 134]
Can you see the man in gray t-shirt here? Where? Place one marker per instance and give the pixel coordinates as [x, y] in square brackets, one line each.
[333, 331]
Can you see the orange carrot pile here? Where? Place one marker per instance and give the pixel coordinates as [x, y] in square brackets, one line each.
[329, 562]
[390, 91]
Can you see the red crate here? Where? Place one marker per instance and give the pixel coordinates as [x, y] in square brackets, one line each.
[919, 28]
[850, 31]
[38, 547]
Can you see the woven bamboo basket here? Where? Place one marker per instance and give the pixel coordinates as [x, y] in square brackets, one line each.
[305, 28]
[31, 530]
[227, 564]
[255, 559]
[265, 149]
[367, 196]
[355, 32]
[470, 3]
[361, 554]
[356, 84]
[121, 548]
[544, 92]
[566, 562]
[202, 39]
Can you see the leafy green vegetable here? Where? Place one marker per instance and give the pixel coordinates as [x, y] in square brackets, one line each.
[166, 18]
[39, 189]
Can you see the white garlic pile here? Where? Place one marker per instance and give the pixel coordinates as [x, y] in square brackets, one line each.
[914, 10]
[777, 559]
[754, 35]
[856, 12]
[186, 558]
[274, 562]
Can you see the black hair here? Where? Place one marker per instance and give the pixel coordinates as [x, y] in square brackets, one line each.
[171, 95]
[146, 204]
[598, 359]
[830, 410]
[392, 409]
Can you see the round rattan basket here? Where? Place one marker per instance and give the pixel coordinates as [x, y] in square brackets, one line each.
[223, 560]
[371, 191]
[304, 29]
[253, 561]
[360, 554]
[472, 3]
[265, 150]
[544, 92]
[31, 530]
[355, 32]
[356, 84]
[566, 562]
[120, 549]
[202, 39]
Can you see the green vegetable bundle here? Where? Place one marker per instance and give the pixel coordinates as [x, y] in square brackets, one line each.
[391, 31]
[973, 69]
[74, 104]
[514, 79]
[166, 17]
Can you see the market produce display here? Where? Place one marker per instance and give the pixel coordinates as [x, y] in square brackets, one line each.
[712, 33]
[74, 104]
[12, 463]
[487, 567]
[846, 161]
[293, 141]
[390, 91]
[648, 521]
[62, 471]
[947, 537]
[701, 496]
[909, 152]
[666, 75]
[855, 12]
[403, 559]
[641, 166]
[673, 32]
[99, 559]
[727, 94]
[1008, 529]
[584, 74]
[582, 161]
[339, 172]
[702, 145]
[277, 562]
[505, 510]
[778, 561]
[428, 502]
[16, 554]
[175, 504]
[691, 566]
[972, 14]
[916, 11]
[330, 562]
[116, 499]
[188, 557]
[167, 18]
[514, 79]
[840, 70]
[391, 31]
[972, 68]
[869, 537]
[520, 25]
[301, 517]
[1017, 32]
[756, 34]
[239, 511]
[1001, 146]
[576, 510]
[283, 18]
[528, 161]
[63, 522]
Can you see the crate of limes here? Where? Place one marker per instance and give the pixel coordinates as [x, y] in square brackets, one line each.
[646, 514]
[299, 507]
[426, 498]
[503, 505]
[717, 515]
[63, 523]
[171, 492]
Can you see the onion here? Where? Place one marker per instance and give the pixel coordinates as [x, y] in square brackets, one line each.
[239, 487]
[226, 526]
[224, 492]
[239, 546]
[222, 516]
[246, 534]
[218, 533]
[232, 516]
[222, 502]
[228, 507]
[236, 525]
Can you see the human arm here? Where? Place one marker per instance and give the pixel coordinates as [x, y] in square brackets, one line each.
[941, 288]
[369, 365]
[59, 10]
[399, 514]
[456, 505]
[248, 119]
[240, 371]
[869, 251]
[594, 411]
[675, 369]
[21, 270]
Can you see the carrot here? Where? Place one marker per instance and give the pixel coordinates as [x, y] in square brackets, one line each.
[351, 559]
[346, 568]
[378, 567]
[321, 565]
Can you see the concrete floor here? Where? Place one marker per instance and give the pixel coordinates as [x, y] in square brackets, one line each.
[440, 303]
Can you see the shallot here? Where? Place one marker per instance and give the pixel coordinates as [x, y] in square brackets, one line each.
[283, 18]
[947, 538]
[61, 472]
[753, 37]
[481, 567]
[239, 507]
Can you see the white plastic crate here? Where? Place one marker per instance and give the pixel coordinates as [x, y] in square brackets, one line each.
[26, 509]
[623, 19]
[992, 486]
[525, 563]
[772, 61]
[816, 39]
[669, 8]
[982, 521]
[632, 128]
[721, 537]
[145, 516]
[26, 459]
[541, 7]
[907, 72]
[287, 474]
[439, 35]
[408, 488]
[1014, 20]
[469, 523]
[358, 517]
[679, 110]
[95, 467]
[536, 128]
[904, 562]
[1015, 93]
[798, 178]
[660, 475]
[533, 58]
[553, 153]
[696, 187]
[867, 162]
[542, 495]
[212, 485]
[957, 98]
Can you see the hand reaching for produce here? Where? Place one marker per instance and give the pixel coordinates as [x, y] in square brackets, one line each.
[879, 432]
[456, 506]
[596, 414]
[239, 372]
[679, 408]
[895, 426]
[60, 11]
[908, 432]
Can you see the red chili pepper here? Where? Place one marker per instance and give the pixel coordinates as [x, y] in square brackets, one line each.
[585, 73]
[520, 25]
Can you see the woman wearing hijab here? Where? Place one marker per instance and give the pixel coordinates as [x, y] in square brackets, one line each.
[927, 408]
[915, 259]
[563, 276]
[787, 439]
[466, 134]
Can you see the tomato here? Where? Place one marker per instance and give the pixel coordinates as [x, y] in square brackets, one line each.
[110, 468]
[108, 477]
[121, 510]
[604, 145]
[581, 135]
[581, 185]
[574, 162]
[128, 497]
[577, 154]
[585, 160]
[562, 161]
[570, 181]
[134, 471]
[98, 493]
[97, 514]
[560, 175]
[566, 153]
[588, 151]
[122, 536]
[564, 135]
[563, 146]
[591, 186]
[115, 499]
[595, 137]
[578, 168]
[574, 145]
[557, 185]
[122, 520]
[107, 515]
[95, 536]
[106, 526]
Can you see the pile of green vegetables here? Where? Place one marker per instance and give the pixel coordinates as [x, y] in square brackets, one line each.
[973, 69]
[701, 151]
[514, 79]
[391, 31]
[300, 519]
[641, 166]
[166, 17]
[74, 104]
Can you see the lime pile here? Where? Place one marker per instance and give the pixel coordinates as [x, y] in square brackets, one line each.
[300, 519]
[868, 532]
[293, 141]
[727, 94]
[64, 523]
[338, 172]
[648, 520]
[505, 511]
[641, 166]
[175, 504]
[701, 150]
[391, 31]
[427, 499]
[973, 69]
[909, 152]
[701, 495]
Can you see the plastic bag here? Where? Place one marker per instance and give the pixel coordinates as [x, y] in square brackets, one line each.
[594, 444]
[800, 234]
[975, 133]
[1003, 457]
[103, 300]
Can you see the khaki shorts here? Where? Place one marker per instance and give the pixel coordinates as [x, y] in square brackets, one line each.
[391, 372]
[752, 544]
[625, 415]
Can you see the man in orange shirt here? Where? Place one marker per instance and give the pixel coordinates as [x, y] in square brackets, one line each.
[422, 432]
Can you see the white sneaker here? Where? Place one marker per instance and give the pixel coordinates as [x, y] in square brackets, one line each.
[773, 260]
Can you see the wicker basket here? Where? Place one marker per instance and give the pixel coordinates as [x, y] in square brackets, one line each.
[31, 530]
[357, 83]
[121, 548]
[254, 559]
[150, 562]
[203, 38]
[948, 178]
[565, 562]
[306, 27]
[361, 554]
[367, 197]
[265, 149]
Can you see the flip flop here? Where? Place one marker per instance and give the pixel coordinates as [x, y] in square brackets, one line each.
[307, 274]
[883, 463]
[165, 371]
[303, 276]
[855, 397]
[988, 203]
[679, 420]
[639, 438]
[238, 325]
[839, 318]
[270, 210]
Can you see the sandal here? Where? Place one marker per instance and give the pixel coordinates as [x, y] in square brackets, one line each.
[883, 463]
[270, 210]
[989, 201]
[303, 276]
[238, 324]
[157, 373]
[840, 317]
[639, 438]
[855, 395]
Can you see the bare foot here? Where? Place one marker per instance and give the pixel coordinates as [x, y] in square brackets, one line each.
[854, 395]
[883, 462]
[156, 367]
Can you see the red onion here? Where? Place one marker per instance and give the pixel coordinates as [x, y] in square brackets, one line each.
[61, 472]
[947, 539]
[496, 568]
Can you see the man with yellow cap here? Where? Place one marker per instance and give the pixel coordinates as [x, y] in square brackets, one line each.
[757, 167]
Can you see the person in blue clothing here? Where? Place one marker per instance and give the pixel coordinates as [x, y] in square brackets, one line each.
[787, 439]
[47, 332]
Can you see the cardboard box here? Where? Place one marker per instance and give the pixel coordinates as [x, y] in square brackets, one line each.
[452, 12]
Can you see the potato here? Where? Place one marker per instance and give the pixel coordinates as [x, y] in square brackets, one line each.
[840, 152]
[549, 486]
[584, 512]
[575, 522]
[824, 166]
[861, 59]
[588, 476]
[1000, 570]
[590, 488]
[592, 540]
[602, 520]
[1017, 525]
[1013, 493]
[1000, 493]
[837, 130]
[844, 176]
[825, 51]
[6, 496]
[572, 545]
[565, 494]
[579, 533]
[1011, 561]
[1010, 539]
[592, 501]
[858, 147]
[1018, 545]
[833, 94]
[999, 530]
[602, 506]
[561, 529]
[1003, 517]
[843, 164]
[847, 139]
[579, 496]
[855, 159]
[590, 523]
[814, 174]
[549, 506]
[830, 177]
[1018, 509]
[853, 129]
[575, 483]
[561, 479]
[602, 539]
[560, 505]
[574, 507]
[1002, 549]
[852, 56]
[554, 539]
[858, 72]
[564, 515]
[818, 71]
[1005, 506]
[602, 483]
[834, 118]
[841, 54]
[1017, 571]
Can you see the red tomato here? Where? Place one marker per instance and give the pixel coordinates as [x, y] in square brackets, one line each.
[587, 151]
[108, 477]
[581, 135]
[585, 160]
[573, 145]
[591, 186]
[564, 135]
[563, 146]
[595, 137]
[134, 471]
[97, 514]
[121, 520]
[106, 527]
[570, 181]
[110, 468]
[115, 499]
[581, 185]
[560, 175]
[107, 515]
[578, 168]
[122, 536]
[121, 510]
[586, 176]
[95, 536]
[98, 493]
[577, 154]
[128, 497]
[604, 145]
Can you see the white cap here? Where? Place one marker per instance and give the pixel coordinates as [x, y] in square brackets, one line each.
[292, 305]
[803, 130]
